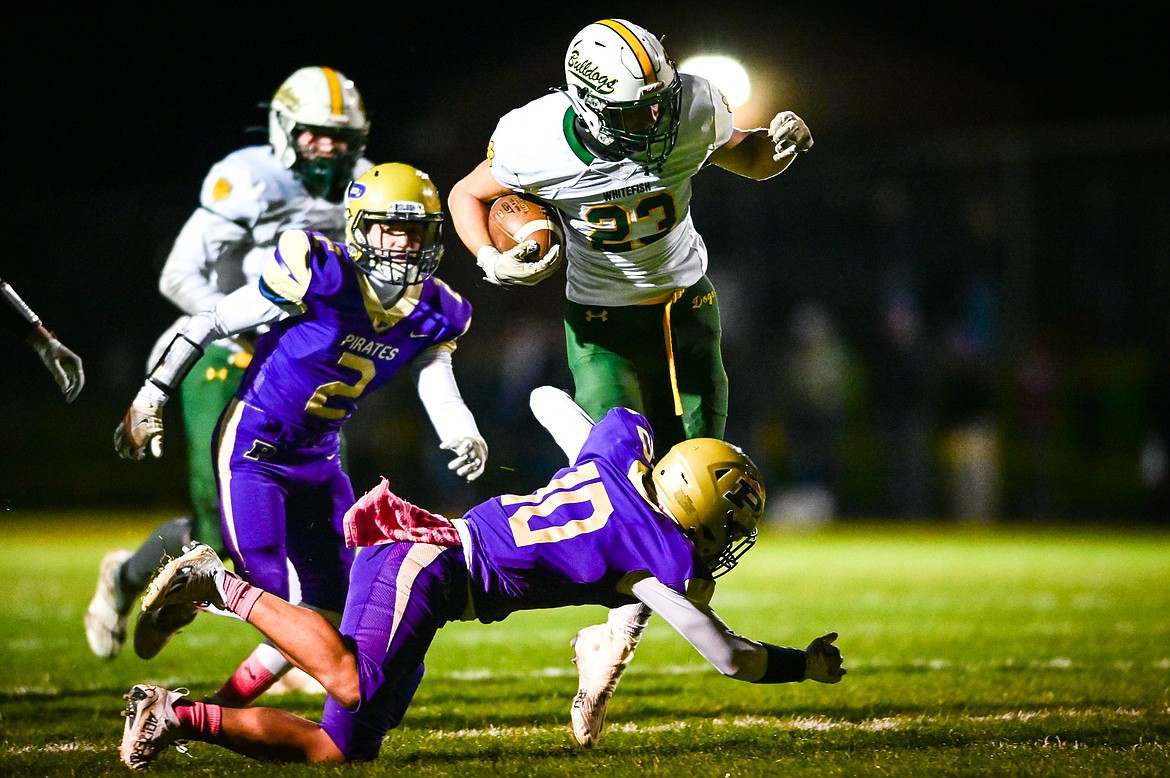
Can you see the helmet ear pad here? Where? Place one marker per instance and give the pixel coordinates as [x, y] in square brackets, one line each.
[704, 536]
[588, 107]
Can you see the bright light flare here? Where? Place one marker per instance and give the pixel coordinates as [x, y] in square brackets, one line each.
[724, 72]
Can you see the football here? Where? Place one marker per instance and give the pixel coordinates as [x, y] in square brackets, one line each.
[515, 218]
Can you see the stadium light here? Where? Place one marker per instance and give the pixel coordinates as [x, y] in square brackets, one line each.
[724, 72]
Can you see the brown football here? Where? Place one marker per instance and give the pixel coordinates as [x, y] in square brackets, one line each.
[515, 218]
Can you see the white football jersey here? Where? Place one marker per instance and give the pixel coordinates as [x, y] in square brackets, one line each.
[247, 200]
[629, 234]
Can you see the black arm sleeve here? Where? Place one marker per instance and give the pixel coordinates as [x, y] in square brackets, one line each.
[785, 665]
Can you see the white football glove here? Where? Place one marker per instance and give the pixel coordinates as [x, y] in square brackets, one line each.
[64, 365]
[823, 660]
[511, 268]
[790, 134]
[140, 430]
[470, 456]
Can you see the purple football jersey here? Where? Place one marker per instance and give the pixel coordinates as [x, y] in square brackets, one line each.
[321, 362]
[571, 542]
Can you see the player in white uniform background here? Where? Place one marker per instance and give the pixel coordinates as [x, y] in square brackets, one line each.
[317, 133]
[614, 151]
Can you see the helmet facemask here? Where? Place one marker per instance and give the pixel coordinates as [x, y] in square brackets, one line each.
[625, 90]
[394, 224]
[643, 130]
[326, 175]
[404, 265]
[739, 541]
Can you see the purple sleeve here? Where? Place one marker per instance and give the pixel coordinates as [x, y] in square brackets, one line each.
[621, 437]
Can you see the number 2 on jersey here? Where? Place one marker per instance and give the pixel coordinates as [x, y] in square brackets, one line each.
[316, 403]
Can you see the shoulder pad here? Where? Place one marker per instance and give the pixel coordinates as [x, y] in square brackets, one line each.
[287, 273]
[246, 184]
[455, 307]
[528, 145]
[705, 109]
[361, 167]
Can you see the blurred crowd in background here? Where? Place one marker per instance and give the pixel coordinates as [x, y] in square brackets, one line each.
[902, 341]
[966, 321]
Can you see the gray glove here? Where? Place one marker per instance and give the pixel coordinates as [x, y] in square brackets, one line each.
[64, 365]
[470, 456]
[790, 134]
[513, 268]
[823, 660]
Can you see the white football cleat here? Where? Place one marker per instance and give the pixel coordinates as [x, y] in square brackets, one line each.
[155, 628]
[105, 619]
[151, 725]
[602, 656]
[192, 578]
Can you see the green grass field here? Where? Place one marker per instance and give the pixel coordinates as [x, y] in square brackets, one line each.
[971, 651]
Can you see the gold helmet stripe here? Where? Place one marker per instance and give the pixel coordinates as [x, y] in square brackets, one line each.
[636, 46]
[336, 103]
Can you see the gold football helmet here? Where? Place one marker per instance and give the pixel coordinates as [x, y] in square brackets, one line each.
[402, 199]
[715, 493]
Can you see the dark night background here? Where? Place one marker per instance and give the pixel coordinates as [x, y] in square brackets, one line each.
[1005, 167]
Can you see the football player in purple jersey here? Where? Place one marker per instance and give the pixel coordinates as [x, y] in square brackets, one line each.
[615, 151]
[344, 320]
[613, 528]
[317, 135]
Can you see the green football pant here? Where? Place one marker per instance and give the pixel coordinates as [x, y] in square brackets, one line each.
[206, 390]
[662, 360]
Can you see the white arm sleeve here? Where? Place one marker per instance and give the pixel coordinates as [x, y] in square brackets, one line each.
[563, 418]
[242, 310]
[435, 381]
[733, 655]
[189, 277]
[164, 340]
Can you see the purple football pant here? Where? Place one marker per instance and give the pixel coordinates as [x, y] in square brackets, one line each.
[400, 594]
[283, 496]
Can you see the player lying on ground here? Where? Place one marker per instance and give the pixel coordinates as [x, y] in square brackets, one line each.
[616, 150]
[614, 528]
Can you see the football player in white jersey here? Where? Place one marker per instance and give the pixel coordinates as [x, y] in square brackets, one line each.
[614, 150]
[317, 132]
